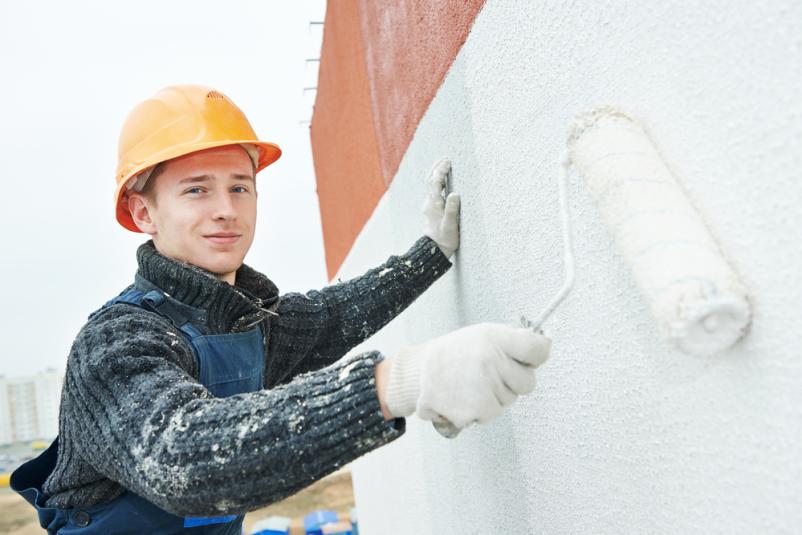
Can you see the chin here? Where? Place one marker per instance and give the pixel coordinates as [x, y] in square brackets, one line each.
[223, 265]
[222, 269]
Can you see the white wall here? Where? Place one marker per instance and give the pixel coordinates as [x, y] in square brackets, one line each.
[623, 434]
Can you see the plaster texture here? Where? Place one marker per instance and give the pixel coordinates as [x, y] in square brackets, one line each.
[343, 112]
[623, 434]
[409, 46]
[381, 64]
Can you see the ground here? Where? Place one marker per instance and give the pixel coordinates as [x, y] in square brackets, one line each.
[333, 492]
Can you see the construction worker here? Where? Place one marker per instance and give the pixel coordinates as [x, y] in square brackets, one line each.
[199, 393]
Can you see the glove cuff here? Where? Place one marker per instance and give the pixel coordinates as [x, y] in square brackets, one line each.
[403, 383]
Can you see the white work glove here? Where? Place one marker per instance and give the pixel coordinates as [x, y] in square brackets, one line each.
[468, 375]
[441, 217]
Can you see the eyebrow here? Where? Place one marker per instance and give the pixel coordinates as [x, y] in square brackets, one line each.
[206, 178]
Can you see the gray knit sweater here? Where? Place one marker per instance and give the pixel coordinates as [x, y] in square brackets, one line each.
[133, 414]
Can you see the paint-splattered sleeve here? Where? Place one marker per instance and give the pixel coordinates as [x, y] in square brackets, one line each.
[134, 417]
[313, 330]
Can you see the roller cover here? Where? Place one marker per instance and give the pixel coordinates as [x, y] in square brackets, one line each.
[695, 296]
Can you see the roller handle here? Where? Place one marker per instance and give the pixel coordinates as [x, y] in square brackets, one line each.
[445, 427]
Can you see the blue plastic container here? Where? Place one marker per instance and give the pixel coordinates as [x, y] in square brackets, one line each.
[313, 521]
[272, 525]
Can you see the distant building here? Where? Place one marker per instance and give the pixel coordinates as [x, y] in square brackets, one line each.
[29, 406]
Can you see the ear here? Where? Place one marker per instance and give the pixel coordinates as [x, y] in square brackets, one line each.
[139, 207]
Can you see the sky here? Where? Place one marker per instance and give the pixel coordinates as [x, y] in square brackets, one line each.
[71, 72]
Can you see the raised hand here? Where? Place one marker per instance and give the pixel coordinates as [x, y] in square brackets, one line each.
[441, 214]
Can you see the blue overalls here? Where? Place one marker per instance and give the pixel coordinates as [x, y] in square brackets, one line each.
[229, 364]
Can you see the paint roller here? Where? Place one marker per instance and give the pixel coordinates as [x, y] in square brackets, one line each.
[698, 301]
[695, 296]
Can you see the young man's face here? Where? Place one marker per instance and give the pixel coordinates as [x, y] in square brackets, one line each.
[201, 209]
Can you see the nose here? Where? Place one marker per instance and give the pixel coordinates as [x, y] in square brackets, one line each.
[224, 207]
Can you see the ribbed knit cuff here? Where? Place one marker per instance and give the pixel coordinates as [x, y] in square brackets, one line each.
[349, 383]
[426, 251]
[403, 383]
[447, 251]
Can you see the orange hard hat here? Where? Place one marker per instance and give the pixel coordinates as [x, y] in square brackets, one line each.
[178, 120]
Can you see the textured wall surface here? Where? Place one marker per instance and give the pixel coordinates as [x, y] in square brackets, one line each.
[343, 140]
[381, 64]
[409, 46]
[623, 433]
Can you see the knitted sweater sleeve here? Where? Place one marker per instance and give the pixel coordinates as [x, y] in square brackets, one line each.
[133, 412]
[313, 330]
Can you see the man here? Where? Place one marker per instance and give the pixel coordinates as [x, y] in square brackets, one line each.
[200, 393]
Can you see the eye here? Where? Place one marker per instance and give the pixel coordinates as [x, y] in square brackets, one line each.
[242, 189]
[196, 189]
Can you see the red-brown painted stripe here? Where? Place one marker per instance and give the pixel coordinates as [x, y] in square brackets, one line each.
[409, 47]
[381, 64]
[346, 156]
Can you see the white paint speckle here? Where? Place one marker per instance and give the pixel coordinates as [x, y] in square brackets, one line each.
[347, 370]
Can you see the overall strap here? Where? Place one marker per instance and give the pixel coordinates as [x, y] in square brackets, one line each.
[158, 302]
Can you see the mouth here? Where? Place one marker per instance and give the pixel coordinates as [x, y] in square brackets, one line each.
[223, 238]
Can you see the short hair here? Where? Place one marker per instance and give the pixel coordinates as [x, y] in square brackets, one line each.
[147, 189]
